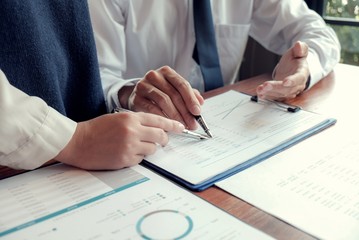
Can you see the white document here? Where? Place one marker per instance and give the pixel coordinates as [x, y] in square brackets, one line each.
[61, 202]
[243, 130]
[313, 186]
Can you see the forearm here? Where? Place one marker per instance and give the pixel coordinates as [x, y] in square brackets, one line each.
[32, 133]
[301, 24]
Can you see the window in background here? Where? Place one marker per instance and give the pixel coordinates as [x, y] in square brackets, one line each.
[343, 17]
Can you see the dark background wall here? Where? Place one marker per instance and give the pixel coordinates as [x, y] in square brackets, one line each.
[256, 60]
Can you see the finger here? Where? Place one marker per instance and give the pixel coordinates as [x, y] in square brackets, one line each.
[134, 160]
[173, 109]
[300, 49]
[168, 125]
[143, 104]
[151, 99]
[199, 96]
[184, 88]
[147, 148]
[269, 90]
[296, 81]
[154, 135]
[169, 99]
[275, 90]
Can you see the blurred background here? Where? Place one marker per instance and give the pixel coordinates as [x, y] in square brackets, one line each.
[343, 17]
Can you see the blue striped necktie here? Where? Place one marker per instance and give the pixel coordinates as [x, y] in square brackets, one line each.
[205, 51]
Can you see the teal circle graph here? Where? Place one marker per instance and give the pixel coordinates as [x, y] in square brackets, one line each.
[164, 225]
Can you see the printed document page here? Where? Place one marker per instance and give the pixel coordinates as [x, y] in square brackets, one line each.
[61, 202]
[242, 130]
[313, 186]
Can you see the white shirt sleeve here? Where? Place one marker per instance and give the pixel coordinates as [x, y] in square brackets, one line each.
[108, 25]
[133, 37]
[31, 132]
[277, 25]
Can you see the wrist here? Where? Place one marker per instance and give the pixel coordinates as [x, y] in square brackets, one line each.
[124, 94]
[68, 154]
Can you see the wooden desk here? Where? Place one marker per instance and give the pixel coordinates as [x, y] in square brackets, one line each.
[333, 96]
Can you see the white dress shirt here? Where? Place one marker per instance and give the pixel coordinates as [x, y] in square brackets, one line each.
[31, 132]
[135, 36]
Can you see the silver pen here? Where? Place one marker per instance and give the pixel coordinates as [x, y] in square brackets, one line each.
[194, 134]
[185, 131]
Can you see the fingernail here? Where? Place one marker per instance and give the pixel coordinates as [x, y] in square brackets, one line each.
[196, 110]
[180, 125]
[259, 89]
[268, 87]
[287, 83]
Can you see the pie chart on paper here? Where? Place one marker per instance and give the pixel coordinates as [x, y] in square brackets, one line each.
[164, 225]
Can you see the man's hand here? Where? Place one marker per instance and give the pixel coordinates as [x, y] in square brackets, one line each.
[164, 92]
[291, 75]
[115, 141]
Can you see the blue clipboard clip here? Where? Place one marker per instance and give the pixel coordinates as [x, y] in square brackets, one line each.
[289, 108]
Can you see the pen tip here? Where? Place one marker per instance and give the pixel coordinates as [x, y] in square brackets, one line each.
[209, 134]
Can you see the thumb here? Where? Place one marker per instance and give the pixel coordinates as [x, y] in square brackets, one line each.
[300, 49]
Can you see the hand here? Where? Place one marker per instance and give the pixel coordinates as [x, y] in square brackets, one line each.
[115, 141]
[291, 75]
[164, 92]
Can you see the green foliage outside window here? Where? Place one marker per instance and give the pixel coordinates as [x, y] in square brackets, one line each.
[342, 8]
[348, 35]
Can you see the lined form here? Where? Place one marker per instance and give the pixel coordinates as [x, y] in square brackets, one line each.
[243, 130]
[313, 186]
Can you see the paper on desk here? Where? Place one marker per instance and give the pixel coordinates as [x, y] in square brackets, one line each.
[242, 130]
[61, 202]
[313, 186]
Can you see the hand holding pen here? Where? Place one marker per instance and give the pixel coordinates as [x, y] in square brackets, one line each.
[199, 118]
[164, 92]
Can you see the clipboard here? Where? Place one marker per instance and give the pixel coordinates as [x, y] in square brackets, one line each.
[256, 124]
